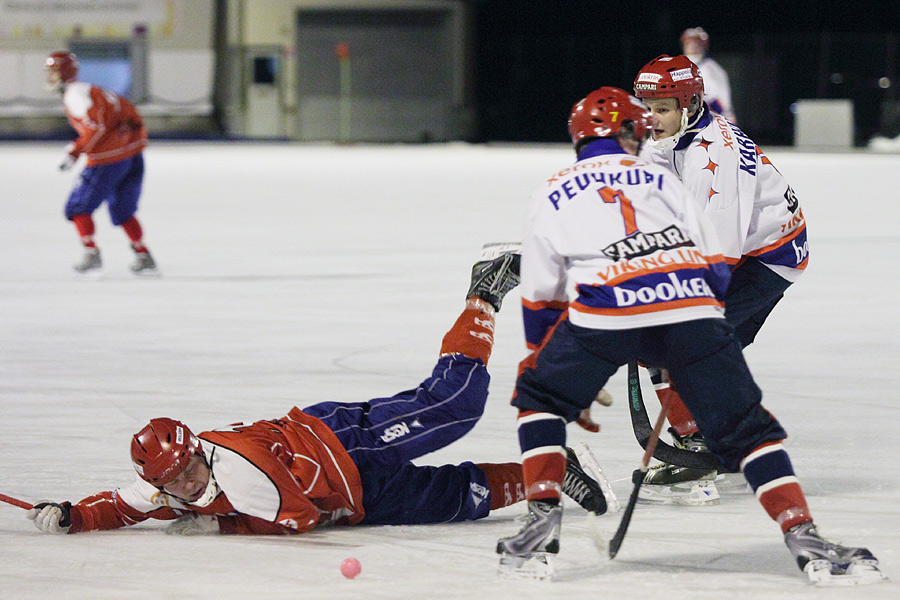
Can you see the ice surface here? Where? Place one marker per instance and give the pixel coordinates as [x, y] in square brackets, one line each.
[294, 274]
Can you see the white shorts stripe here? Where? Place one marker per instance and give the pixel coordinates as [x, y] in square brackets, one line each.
[768, 487]
[761, 452]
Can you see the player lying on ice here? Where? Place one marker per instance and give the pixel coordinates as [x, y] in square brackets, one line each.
[341, 463]
[650, 280]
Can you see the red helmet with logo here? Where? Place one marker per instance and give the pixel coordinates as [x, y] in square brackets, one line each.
[604, 113]
[670, 77]
[64, 64]
[161, 450]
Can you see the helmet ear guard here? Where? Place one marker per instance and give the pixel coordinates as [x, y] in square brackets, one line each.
[694, 105]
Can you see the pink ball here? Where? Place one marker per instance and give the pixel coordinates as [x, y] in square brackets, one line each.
[350, 568]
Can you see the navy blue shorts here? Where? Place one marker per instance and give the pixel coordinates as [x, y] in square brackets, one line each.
[383, 435]
[753, 292]
[705, 364]
[118, 184]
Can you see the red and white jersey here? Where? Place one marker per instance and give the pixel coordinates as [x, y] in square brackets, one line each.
[623, 238]
[279, 476]
[753, 209]
[109, 126]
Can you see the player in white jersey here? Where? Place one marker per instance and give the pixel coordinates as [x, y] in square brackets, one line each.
[649, 281]
[716, 87]
[754, 211]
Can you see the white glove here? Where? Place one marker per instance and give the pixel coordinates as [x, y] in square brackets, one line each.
[50, 517]
[194, 524]
[67, 163]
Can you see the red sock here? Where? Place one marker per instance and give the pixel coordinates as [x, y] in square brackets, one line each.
[85, 226]
[679, 416]
[505, 483]
[786, 504]
[135, 233]
[472, 334]
[543, 474]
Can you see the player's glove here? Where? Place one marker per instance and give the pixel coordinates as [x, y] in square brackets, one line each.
[51, 517]
[194, 524]
[584, 418]
[67, 163]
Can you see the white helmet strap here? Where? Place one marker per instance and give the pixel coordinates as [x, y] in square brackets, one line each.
[669, 143]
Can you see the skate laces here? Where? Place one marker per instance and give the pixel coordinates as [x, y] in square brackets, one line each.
[580, 487]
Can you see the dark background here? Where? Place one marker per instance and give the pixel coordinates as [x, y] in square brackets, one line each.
[535, 59]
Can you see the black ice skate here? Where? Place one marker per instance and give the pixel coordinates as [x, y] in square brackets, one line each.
[143, 264]
[830, 564]
[529, 553]
[496, 272]
[581, 487]
[672, 484]
[90, 262]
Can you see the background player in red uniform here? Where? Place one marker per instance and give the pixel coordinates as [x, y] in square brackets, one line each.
[112, 136]
[340, 463]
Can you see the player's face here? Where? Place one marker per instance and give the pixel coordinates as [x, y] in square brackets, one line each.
[191, 483]
[665, 116]
[54, 80]
[692, 45]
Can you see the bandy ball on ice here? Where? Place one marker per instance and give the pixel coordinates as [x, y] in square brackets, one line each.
[350, 568]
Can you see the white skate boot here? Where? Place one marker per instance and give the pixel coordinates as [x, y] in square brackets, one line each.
[530, 552]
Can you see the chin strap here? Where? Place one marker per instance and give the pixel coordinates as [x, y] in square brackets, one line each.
[212, 488]
[669, 143]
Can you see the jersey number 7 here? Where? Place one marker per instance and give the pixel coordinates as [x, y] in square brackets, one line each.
[611, 196]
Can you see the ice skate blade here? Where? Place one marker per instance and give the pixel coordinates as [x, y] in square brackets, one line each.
[592, 467]
[146, 273]
[732, 483]
[90, 275]
[863, 572]
[700, 493]
[495, 250]
[538, 565]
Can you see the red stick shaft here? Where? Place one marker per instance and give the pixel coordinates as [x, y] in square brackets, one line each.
[15, 502]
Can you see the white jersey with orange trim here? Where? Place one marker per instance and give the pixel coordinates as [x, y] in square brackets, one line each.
[749, 202]
[627, 236]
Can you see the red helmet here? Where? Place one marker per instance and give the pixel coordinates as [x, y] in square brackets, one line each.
[670, 77]
[65, 64]
[699, 35]
[161, 450]
[604, 112]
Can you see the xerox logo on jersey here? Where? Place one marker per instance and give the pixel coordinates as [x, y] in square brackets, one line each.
[642, 244]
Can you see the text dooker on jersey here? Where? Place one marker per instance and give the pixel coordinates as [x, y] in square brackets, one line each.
[641, 274]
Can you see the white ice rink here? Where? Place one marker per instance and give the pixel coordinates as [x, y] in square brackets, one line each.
[296, 274]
